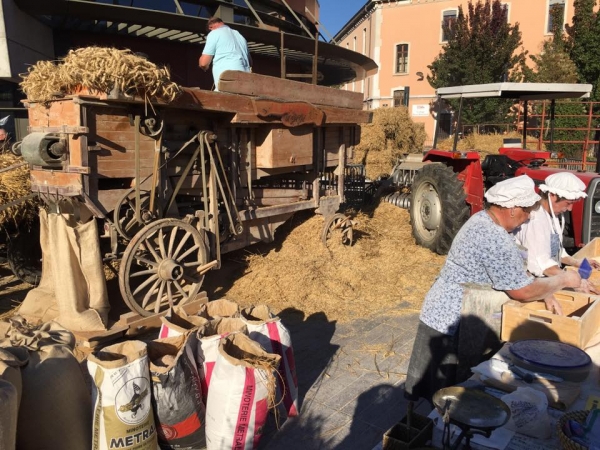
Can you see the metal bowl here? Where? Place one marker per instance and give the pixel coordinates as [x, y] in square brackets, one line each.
[471, 408]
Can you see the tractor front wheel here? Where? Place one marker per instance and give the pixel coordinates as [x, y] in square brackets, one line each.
[438, 207]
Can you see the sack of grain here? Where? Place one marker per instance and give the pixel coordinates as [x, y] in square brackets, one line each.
[268, 330]
[8, 415]
[242, 389]
[178, 322]
[176, 393]
[123, 416]
[219, 308]
[209, 335]
[11, 388]
[55, 406]
[11, 361]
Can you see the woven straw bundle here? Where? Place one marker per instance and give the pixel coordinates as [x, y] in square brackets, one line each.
[100, 70]
[14, 184]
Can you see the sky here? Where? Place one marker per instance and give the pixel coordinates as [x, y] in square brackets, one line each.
[334, 14]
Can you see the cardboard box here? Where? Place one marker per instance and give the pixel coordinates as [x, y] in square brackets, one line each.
[531, 320]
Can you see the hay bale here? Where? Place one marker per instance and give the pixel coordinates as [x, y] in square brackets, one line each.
[391, 134]
[100, 70]
[14, 184]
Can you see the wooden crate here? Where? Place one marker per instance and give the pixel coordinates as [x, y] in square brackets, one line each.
[532, 321]
[283, 147]
[592, 252]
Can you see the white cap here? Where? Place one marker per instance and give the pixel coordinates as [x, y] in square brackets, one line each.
[565, 185]
[518, 191]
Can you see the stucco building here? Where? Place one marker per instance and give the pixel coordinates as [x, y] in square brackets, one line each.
[404, 36]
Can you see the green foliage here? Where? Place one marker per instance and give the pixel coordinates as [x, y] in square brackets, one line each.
[551, 65]
[554, 65]
[482, 47]
[583, 43]
[569, 115]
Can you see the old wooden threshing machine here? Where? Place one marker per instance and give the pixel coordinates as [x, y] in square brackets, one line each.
[176, 185]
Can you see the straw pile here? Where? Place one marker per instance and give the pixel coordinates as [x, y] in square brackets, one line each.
[383, 268]
[485, 144]
[99, 70]
[391, 134]
[14, 184]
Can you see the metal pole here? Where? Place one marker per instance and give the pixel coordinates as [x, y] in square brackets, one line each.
[282, 57]
[315, 60]
[525, 108]
[457, 125]
[552, 107]
[437, 122]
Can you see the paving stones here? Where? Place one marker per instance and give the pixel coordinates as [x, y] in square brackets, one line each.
[351, 383]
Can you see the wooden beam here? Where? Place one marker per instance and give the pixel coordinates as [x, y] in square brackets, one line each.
[236, 82]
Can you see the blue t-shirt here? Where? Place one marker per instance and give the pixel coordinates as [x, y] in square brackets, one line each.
[482, 253]
[229, 50]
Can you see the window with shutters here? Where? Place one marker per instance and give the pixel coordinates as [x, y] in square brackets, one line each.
[401, 58]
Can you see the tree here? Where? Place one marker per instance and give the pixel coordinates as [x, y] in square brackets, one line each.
[583, 43]
[554, 65]
[482, 47]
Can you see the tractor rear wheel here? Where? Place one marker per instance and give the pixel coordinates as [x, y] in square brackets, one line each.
[438, 207]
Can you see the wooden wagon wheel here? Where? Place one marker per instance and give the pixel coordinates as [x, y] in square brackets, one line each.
[338, 225]
[124, 215]
[163, 266]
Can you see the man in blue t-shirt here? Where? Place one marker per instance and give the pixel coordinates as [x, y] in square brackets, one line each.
[226, 49]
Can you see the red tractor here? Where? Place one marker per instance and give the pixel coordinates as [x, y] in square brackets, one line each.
[447, 187]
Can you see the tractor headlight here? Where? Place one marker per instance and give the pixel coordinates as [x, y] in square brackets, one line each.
[597, 207]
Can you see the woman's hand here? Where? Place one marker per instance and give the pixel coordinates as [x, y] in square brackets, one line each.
[577, 263]
[588, 287]
[553, 306]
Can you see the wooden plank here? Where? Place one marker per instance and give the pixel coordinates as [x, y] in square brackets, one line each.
[350, 116]
[137, 324]
[245, 83]
[91, 339]
[283, 147]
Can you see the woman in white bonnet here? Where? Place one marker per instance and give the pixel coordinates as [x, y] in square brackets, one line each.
[484, 252]
[542, 236]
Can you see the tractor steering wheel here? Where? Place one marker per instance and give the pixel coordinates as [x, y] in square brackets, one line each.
[535, 162]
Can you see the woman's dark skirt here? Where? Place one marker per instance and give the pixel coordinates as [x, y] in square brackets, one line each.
[433, 363]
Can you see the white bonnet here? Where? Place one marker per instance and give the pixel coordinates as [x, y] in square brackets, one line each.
[518, 191]
[565, 185]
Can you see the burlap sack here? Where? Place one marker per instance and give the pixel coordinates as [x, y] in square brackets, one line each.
[72, 290]
[8, 415]
[219, 308]
[55, 407]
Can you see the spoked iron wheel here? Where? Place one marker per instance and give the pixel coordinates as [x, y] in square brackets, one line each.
[160, 266]
[124, 215]
[338, 226]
